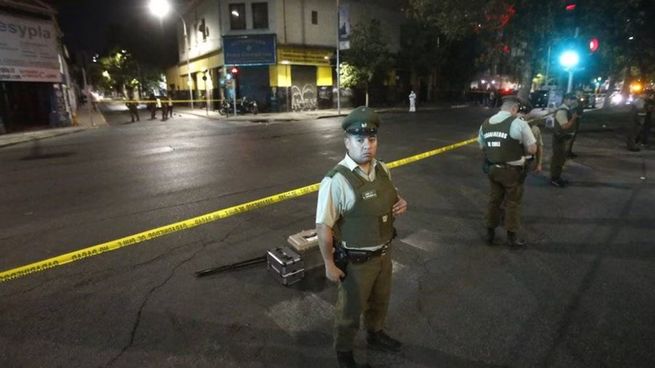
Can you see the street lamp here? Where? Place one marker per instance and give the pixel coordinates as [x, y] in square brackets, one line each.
[160, 8]
[569, 60]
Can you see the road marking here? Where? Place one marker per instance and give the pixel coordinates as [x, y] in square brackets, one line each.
[193, 222]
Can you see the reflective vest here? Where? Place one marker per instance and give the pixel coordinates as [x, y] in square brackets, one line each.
[370, 222]
[499, 147]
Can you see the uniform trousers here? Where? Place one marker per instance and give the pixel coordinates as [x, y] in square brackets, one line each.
[366, 289]
[560, 146]
[506, 186]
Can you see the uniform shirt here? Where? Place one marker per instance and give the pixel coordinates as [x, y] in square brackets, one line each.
[519, 130]
[561, 117]
[336, 196]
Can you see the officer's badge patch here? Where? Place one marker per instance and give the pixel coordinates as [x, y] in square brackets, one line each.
[370, 194]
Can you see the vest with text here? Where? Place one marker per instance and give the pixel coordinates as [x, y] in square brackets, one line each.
[499, 147]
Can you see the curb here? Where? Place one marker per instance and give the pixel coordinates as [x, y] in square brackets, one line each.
[18, 138]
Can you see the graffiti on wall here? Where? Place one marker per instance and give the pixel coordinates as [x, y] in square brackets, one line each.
[303, 99]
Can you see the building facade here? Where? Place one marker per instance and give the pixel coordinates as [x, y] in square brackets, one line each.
[34, 80]
[278, 52]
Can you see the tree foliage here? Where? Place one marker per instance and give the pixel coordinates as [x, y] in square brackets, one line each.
[368, 55]
[119, 70]
[518, 33]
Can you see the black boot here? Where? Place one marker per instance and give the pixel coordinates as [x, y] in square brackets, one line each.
[381, 341]
[513, 241]
[491, 234]
[347, 360]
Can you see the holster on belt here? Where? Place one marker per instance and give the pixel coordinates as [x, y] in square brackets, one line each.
[340, 257]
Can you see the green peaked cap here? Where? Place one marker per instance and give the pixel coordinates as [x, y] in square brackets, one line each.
[361, 121]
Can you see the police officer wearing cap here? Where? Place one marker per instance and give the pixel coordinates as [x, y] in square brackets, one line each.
[357, 204]
[566, 118]
[505, 140]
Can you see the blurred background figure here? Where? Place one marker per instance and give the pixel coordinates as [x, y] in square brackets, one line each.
[412, 101]
[132, 106]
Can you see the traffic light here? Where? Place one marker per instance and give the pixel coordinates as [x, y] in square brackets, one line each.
[570, 15]
[593, 44]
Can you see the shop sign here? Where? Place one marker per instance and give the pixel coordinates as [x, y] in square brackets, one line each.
[28, 50]
[249, 49]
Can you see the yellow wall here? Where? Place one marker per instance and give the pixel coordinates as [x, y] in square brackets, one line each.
[178, 74]
[323, 76]
[279, 75]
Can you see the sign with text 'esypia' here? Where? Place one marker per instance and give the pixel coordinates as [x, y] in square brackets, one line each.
[28, 50]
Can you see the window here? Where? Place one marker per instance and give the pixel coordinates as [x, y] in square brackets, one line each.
[314, 17]
[237, 16]
[260, 15]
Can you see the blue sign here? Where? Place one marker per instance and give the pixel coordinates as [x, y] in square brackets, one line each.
[249, 49]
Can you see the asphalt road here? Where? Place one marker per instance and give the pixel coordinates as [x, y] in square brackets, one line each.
[580, 295]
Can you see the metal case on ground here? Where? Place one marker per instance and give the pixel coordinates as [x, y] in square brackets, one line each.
[306, 244]
[285, 264]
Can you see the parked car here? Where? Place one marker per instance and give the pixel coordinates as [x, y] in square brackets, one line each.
[539, 98]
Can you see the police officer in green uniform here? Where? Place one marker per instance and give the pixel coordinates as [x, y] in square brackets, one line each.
[505, 140]
[565, 120]
[357, 204]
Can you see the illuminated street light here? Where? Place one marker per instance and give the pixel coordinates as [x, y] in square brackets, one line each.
[160, 8]
[569, 60]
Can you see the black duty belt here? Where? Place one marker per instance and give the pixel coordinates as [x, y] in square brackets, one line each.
[362, 255]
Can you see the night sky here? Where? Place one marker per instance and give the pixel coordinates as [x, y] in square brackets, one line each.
[95, 26]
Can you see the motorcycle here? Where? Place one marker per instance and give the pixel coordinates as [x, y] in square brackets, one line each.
[244, 106]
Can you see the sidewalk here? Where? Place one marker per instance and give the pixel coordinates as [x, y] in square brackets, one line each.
[305, 115]
[85, 120]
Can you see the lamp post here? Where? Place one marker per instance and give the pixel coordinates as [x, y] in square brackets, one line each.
[160, 8]
[338, 67]
[569, 60]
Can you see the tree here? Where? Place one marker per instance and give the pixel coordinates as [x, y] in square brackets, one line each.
[368, 56]
[515, 34]
[519, 33]
[119, 71]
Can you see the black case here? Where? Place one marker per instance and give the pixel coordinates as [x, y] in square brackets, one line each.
[285, 264]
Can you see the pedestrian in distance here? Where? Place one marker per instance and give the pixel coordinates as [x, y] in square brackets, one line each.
[643, 110]
[412, 101]
[564, 127]
[170, 106]
[505, 140]
[163, 107]
[132, 107]
[357, 205]
[152, 106]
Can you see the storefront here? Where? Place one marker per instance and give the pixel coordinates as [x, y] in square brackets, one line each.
[33, 92]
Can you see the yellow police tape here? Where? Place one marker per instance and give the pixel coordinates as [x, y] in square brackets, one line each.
[161, 100]
[193, 222]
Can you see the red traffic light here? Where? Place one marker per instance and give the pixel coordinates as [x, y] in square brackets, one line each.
[234, 70]
[570, 7]
[593, 44]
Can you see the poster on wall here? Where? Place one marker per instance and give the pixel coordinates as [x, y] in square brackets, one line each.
[28, 50]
